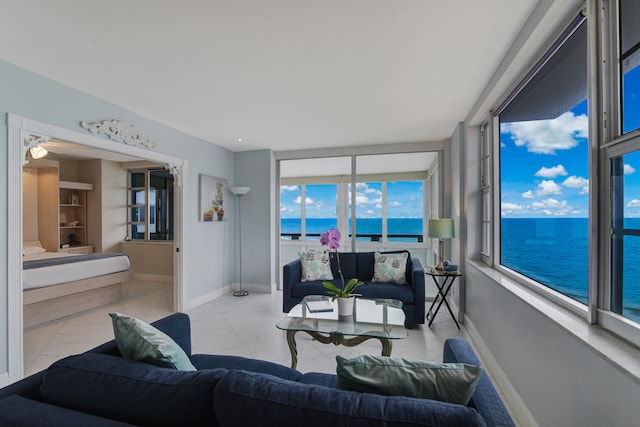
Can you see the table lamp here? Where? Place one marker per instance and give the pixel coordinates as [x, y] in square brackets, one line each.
[440, 228]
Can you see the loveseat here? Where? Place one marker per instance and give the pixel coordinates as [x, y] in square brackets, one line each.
[101, 388]
[361, 265]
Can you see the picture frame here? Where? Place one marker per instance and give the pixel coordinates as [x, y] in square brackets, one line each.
[213, 192]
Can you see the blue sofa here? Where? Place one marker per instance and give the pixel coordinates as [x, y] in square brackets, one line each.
[360, 265]
[100, 388]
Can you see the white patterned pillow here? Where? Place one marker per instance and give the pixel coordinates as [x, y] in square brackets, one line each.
[390, 268]
[316, 265]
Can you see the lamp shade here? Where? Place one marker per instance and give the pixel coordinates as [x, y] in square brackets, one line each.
[441, 228]
[239, 191]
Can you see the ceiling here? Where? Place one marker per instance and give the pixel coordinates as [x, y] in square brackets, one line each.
[277, 74]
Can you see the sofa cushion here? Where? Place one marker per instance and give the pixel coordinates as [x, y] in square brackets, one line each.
[210, 361]
[390, 268]
[18, 411]
[137, 340]
[315, 265]
[394, 376]
[240, 397]
[135, 392]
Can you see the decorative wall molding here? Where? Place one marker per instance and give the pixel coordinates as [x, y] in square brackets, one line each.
[29, 141]
[119, 131]
[175, 171]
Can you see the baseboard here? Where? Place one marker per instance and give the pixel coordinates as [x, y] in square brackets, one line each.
[514, 402]
[203, 299]
[152, 278]
[254, 287]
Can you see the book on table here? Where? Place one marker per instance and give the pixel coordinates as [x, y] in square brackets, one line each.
[318, 304]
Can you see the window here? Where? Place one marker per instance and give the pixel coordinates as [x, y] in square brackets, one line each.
[485, 188]
[150, 205]
[630, 64]
[544, 171]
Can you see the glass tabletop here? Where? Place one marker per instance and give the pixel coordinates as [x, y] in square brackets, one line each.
[371, 317]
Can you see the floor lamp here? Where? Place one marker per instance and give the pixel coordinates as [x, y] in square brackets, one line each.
[440, 228]
[240, 191]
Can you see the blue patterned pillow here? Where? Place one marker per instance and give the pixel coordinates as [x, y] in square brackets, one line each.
[316, 265]
[390, 268]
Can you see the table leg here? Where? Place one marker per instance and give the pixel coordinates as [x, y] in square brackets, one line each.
[441, 297]
[291, 340]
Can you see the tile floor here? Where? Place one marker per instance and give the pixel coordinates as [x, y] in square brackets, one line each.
[242, 326]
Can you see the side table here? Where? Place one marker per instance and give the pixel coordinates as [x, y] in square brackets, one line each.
[443, 291]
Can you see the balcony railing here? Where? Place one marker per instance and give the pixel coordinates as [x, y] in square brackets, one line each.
[372, 237]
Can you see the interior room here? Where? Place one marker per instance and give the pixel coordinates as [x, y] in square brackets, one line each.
[221, 146]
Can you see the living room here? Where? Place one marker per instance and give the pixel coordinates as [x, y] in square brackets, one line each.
[543, 351]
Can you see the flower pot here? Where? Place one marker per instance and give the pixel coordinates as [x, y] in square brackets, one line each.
[345, 306]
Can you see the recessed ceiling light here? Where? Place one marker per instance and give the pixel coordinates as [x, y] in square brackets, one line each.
[239, 139]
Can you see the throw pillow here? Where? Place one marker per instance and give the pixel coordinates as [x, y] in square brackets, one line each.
[316, 265]
[390, 376]
[140, 341]
[390, 268]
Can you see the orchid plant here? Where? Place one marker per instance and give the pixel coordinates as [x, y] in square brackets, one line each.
[331, 239]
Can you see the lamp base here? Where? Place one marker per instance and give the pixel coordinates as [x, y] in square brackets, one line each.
[439, 267]
[240, 293]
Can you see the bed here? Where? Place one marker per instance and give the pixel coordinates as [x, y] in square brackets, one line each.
[58, 284]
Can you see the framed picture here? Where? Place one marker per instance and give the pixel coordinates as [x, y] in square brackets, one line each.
[212, 197]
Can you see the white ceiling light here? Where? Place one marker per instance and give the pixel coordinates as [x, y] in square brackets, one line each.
[38, 151]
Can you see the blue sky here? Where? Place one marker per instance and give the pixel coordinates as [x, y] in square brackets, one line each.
[544, 163]
[404, 200]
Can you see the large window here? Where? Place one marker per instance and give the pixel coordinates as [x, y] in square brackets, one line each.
[544, 159]
[630, 64]
[150, 205]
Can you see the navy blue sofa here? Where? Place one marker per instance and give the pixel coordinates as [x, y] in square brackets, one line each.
[100, 388]
[360, 265]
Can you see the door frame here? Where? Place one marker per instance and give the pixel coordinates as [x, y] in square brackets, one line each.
[20, 127]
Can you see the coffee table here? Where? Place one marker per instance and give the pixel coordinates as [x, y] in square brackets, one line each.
[372, 319]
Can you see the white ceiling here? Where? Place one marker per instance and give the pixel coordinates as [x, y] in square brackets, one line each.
[279, 74]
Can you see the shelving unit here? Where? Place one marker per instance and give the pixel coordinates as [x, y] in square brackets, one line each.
[72, 204]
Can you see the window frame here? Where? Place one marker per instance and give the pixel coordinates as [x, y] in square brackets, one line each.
[147, 206]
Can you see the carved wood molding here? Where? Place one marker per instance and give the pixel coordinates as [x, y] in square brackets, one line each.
[119, 131]
[29, 141]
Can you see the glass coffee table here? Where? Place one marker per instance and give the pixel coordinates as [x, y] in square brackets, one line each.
[372, 319]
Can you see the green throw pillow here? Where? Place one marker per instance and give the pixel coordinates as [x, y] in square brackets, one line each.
[390, 268]
[316, 265]
[140, 341]
[392, 376]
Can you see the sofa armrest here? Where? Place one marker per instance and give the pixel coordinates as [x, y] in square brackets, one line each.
[485, 398]
[291, 274]
[417, 282]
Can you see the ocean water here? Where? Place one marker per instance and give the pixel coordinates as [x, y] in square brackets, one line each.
[363, 225]
[554, 252]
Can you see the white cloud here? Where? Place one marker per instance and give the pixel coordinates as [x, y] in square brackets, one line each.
[552, 172]
[628, 169]
[395, 204]
[284, 188]
[511, 206]
[635, 203]
[548, 188]
[547, 136]
[577, 182]
[528, 194]
[550, 204]
[307, 200]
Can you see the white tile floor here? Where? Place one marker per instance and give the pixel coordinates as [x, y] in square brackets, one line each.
[242, 326]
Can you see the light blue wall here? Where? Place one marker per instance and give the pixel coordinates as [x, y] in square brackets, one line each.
[37, 98]
[256, 169]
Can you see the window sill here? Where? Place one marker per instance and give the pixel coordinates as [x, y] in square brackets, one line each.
[620, 353]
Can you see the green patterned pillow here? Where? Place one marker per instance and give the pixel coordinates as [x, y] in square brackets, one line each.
[390, 268]
[316, 265]
[394, 376]
[137, 340]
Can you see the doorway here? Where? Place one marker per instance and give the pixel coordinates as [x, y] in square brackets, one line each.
[20, 128]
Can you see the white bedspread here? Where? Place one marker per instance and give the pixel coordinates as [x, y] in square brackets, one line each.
[56, 274]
